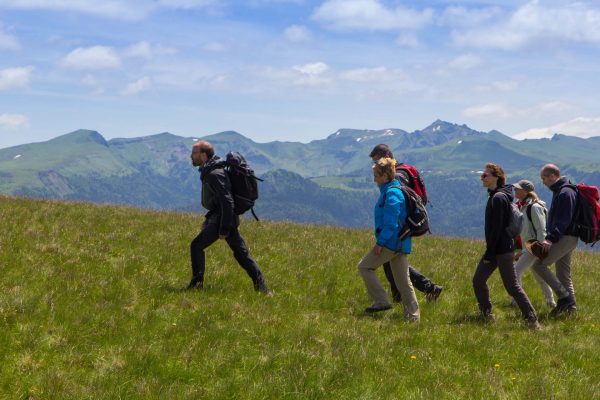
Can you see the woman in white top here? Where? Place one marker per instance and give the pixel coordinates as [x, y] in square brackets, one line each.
[534, 228]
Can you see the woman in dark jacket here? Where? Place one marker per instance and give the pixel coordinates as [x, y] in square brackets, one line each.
[499, 248]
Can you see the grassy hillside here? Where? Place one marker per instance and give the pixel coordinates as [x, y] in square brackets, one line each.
[90, 308]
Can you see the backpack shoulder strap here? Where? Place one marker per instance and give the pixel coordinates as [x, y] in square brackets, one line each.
[528, 212]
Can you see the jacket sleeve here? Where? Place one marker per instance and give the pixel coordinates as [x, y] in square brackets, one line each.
[565, 204]
[218, 183]
[499, 205]
[391, 212]
[538, 219]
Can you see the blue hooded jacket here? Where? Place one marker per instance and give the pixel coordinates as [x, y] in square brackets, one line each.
[389, 219]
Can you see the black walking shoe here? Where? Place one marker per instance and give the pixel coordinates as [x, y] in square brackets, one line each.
[434, 293]
[374, 308]
[261, 286]
[196, 283]
[486, 316]
[397, 298]
[564, 305]
[532, 324]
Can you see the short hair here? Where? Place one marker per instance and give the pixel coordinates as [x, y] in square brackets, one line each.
[380, 151]
[206, 148]
[550, 169]
[385, 167]
[497, 171]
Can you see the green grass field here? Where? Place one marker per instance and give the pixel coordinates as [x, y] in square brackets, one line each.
[91, 308]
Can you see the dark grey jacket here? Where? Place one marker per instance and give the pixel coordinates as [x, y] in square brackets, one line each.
[497, 212]
[562, 210]
[217, 197]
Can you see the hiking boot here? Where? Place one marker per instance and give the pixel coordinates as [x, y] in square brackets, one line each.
[564, 304]
[195, 283]
[486, 316]
[377, 308]
[434, 293]
[533, 324]
[261, 286]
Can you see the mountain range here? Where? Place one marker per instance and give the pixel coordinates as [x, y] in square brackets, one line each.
[324, 181]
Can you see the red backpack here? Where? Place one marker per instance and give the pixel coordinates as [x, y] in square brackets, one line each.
[409, 176]
[587, 217]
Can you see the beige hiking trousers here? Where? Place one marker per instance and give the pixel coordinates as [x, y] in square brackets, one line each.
[399, 263]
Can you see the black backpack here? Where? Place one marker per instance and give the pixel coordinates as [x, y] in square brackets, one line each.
[417, 220]
[244, 185]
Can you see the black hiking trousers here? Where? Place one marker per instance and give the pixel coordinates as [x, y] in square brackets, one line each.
[209, 235]
[419, 281]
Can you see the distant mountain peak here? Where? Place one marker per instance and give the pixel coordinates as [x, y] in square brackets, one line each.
[361, 135]
[439, 125]
[82, 136]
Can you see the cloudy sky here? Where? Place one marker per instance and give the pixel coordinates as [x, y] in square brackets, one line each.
[296, 70]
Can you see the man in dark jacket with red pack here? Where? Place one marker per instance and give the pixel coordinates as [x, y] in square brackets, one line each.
[420, 282]
[561, 238]
[221, 222]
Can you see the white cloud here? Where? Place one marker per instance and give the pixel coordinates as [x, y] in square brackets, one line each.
[297, 33]
[551, 107]
[13, 121]
[503, 111]
[116, 9]
[408, 40]
[370, 15]
[468, 17]
[582, 127]
[311, 69]
[105, 8]
[15, 77]
[499, 86]
[96, 57]
[8, 41]
[533, 21]
[144, 49]
[216, 47]
[378, 74]
[310, 75]
[488, 110]
[465, 61]
[188, 4]
[307, 75]
[137, 87]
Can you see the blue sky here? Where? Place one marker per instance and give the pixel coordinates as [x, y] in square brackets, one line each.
[296, 70]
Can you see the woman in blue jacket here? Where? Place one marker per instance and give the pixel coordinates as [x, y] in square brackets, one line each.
[390, 214]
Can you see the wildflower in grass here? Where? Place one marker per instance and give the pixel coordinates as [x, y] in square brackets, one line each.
[413, 357]
[496, 365]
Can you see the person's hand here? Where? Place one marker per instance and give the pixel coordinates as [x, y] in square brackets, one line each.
[518, 254]
[377, 250]
[547, 245]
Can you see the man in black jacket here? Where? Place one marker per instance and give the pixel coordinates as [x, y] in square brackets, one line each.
[561, 238]
[221, 222]
[420, 282]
